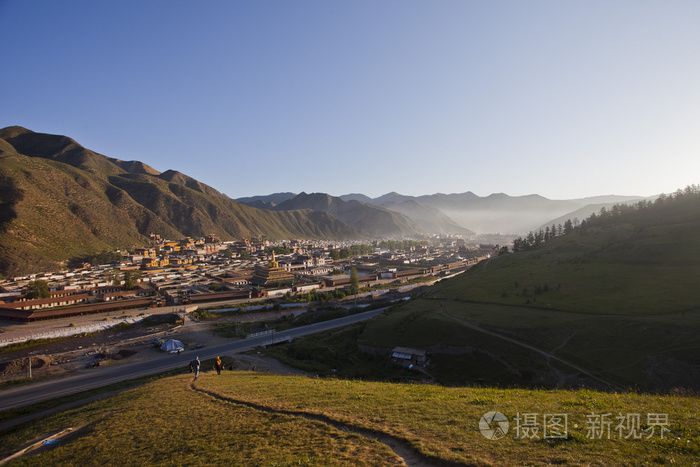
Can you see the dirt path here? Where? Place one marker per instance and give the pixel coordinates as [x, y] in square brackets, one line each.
[401, 447]
[539, 351]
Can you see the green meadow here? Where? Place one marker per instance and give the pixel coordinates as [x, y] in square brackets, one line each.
[640, 352]
[614, 303]
[247, 418]
[604, 272]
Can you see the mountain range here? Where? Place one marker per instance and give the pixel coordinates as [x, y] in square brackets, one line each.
[59, 200]
[460, 213]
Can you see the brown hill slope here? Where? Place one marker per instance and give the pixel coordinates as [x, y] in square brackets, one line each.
[59, 200]
[374, 220]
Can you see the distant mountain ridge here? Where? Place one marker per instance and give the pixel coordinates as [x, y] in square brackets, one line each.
[390, 219]
[430, 219]
[499, 212]
[373, 220]
[467, 213]
[59, 200]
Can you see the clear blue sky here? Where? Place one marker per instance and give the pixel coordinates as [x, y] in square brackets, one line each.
[561, 98]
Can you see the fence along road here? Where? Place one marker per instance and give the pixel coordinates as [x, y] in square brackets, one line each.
[31, 393]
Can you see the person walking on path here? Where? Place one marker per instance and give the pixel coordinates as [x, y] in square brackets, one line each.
[195, 366]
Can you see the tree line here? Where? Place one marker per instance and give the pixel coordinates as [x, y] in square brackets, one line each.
[353, 250]
[103, 257]
[682, 205]
[359, 250]
[397, 245]
[535, 239]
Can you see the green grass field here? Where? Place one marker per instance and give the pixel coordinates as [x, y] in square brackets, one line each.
[628, 351]
[573, 274]
[245, 418]
[616, 304]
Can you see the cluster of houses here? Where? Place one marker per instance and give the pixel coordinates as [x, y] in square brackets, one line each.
[192, 271]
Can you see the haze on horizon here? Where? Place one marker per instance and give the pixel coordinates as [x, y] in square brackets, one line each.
[563, 99]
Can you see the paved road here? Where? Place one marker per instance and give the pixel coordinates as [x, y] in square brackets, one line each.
[31, 393]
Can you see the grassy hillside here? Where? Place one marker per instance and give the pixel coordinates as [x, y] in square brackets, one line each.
[614, 303]
[617, 270]
[496, 344]
[242, 418]
[59, 200]
[55, 211]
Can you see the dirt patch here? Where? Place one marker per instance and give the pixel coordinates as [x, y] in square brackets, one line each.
[123, 353]
[14, 369]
